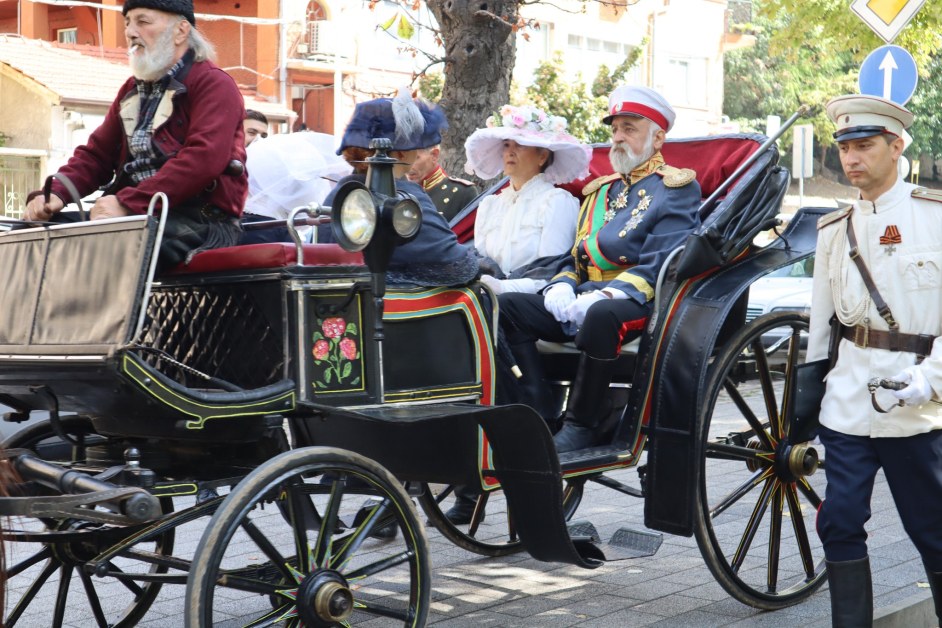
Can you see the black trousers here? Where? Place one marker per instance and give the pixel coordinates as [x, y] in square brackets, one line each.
[913, 469]
[608, 323]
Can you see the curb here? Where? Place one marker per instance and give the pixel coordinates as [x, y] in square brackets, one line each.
[916, 611]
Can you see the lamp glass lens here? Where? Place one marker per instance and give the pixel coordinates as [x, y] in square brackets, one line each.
[358, 217]
[406, 218]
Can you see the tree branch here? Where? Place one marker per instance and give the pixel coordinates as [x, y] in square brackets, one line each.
[501, 22]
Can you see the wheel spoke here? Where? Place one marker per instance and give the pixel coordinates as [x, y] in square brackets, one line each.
[737, 494]
[801, 533]
[31, 592]
[117, 572]
[724, 451]
[328, 525]
[352, 543]
[277, 560]
[444, 494]
[794, 349]
[93, 600]
[25, 564]
[755, 520]
[380, 565]
[768, 392]
[808, 491]
[271, 618]
[62, 596]
[730, 387]
[775, 537]
[478, 515]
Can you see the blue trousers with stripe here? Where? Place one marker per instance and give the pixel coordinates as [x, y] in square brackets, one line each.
[913, 469]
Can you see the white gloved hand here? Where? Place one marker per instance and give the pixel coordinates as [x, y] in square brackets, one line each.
[918, 392]
[577, 309]
[493, 283]
[557, 298]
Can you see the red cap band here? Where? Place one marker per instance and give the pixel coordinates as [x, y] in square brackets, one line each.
[638, 109]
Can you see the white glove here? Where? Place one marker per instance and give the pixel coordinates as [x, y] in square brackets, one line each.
[524, 284]
[557, 298]
[578, 308]
[918, 392]
[493, 283]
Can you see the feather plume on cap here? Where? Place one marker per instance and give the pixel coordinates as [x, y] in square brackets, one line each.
[409, 120]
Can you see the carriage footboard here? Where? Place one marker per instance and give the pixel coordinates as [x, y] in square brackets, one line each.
[440, 444]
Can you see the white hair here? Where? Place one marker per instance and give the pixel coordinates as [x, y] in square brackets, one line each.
[203, 50]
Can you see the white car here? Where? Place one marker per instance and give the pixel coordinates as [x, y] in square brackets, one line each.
[785, 289]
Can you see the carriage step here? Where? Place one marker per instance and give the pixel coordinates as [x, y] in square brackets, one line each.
[625, 543]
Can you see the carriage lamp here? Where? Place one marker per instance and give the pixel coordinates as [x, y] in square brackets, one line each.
[375, 217]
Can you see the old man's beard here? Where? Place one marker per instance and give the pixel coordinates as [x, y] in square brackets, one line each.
[624, 160]
[154, 62]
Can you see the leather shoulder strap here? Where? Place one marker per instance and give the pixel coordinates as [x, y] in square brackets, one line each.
[878, 301]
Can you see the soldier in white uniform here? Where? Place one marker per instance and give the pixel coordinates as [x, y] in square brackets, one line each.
[897, 228]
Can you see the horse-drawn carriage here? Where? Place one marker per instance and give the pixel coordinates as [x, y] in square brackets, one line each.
[279, 396]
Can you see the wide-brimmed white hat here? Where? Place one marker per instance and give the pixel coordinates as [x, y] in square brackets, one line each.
[527, 126]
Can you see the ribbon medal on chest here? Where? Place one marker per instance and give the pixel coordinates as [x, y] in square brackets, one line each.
[637, 213]
[890, 238]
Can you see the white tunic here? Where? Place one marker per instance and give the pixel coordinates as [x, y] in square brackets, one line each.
[908, 275]
[516, 227]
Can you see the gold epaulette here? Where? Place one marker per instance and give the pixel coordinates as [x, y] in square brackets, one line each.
[676, 177]
[595, 184]
[834, 216]
[928, 195]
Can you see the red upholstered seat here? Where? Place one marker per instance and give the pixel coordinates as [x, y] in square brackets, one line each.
[712, 158]
[269, 255]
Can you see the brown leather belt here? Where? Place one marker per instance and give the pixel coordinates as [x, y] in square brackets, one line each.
[862, 336]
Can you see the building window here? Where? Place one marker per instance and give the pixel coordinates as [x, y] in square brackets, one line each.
[593, 44]
[67, 35]
[575, 41]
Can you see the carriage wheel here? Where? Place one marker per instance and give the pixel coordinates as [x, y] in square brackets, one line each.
[304, 571]
[758, 496]
[490, 531]
[43, 575]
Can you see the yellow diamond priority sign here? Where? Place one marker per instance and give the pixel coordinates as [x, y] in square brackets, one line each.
[886, 17]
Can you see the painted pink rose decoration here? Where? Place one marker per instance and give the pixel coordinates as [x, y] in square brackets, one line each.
[348, 347]
[334, 327]
[321, 349]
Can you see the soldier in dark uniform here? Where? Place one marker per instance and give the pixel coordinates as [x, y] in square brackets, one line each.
[449, 194]
[628, 224]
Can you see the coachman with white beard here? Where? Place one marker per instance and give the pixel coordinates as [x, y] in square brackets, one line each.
[628, 223]
[175, 127]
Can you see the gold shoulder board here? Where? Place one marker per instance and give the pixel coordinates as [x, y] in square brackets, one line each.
[834, 216]
[676, 177]
[928, 195]
[595, 184]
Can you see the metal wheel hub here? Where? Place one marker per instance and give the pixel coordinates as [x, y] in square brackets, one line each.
[324, 599]
[795, 461]
[80, 551]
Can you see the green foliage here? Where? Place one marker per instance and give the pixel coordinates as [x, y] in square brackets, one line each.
[926, 106]
[760, 82]
[3, 138]
[582, 107]
[431, 85]
[810, 51]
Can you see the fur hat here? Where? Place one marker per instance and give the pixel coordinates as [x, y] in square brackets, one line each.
[410, 124]
[177, 7]
[527, 126]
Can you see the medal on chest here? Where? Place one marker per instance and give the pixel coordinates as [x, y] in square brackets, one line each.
[619, 202]
[637, 214]
[890, 238]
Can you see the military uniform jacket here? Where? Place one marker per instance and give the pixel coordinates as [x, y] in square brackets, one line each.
[625, 231]
[449, 195]
[900, 241]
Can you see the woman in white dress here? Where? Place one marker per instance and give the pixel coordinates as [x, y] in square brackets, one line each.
[523, 229]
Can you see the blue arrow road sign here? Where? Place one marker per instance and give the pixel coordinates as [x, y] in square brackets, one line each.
[889, 72]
